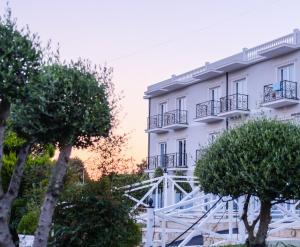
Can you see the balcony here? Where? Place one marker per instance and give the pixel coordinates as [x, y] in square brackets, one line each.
[173, 161]
[176, 119]
[207, 112]
[234, 105]
[283, 93]
[155, 124]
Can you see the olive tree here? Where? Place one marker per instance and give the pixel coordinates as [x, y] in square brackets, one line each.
[260, 158]
[69, 109]
[20, 62]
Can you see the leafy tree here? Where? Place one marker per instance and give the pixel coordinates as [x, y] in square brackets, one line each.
[69, 109]
[20, 56]
[110, 224]
[36, 170]
[21, 59]
[260, 158]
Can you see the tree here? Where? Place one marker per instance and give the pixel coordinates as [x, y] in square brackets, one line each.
[21, 59]
[260, 158]
[36, 169]
[69, 109]
[94, 215]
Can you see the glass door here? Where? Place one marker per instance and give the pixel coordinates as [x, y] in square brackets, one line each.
[286, 86]
[214, 97]
[286, 73]
[239, 99]
[181, 113]
[162, 110]
[181, 156]
[163, 154]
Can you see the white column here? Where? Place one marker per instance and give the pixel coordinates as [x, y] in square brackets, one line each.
[230, 218]
[296, 33]
[164, 223]
[150, 226]
[241, 226]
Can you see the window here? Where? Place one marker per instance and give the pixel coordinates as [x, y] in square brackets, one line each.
[212, 137]
[181, 156]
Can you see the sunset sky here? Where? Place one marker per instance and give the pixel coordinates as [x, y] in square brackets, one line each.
[148, 41]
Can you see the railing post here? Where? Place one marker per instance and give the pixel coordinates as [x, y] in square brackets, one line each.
[230, 219]
[165, 188]
[296, 33]
[245, 58]
[150, 225]
[241, 226]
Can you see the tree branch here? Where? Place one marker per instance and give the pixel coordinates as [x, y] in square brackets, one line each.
[245, 213]
[15, 181]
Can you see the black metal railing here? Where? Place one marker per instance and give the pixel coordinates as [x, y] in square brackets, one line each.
[175, 117]
[155, 121]
[152, 162]
[208, 108]
[280, 90]
[172, 160]
[234, 102]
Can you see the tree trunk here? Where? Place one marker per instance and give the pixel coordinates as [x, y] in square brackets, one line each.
[7, 199]
[54, 189]
[264, 220]
[4, 113]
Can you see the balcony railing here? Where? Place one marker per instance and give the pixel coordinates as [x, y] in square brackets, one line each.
[175, 117]
[155, 121]
[281, 90]
[234, 102]
[172, 160]
[208, 108]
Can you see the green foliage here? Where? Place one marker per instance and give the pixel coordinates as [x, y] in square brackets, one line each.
[12, 144]
[184, 185]
[260, 158]
[75, 172]
[20, 56]
[93, 215]
[158, 172]
[34, 183]
[28, 223]
[69, 107]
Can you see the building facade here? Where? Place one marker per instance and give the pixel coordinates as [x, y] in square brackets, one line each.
[188, 111]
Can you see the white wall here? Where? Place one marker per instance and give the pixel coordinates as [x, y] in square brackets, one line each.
[197, 134]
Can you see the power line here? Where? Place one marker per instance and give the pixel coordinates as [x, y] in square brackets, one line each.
[173, 40]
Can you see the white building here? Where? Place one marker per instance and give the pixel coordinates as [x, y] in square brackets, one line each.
[187, 111]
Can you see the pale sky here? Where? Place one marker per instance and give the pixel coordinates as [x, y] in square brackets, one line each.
[148, 41]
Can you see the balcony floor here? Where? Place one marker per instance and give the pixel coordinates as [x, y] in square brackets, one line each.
[280, 103]
[233, 113]
[175, 126]
[208, 119]
[156, 130]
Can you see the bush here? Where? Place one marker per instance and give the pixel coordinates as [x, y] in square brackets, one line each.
[92, 215]
[28, 223]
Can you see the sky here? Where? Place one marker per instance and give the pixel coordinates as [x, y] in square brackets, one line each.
[146, 41]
